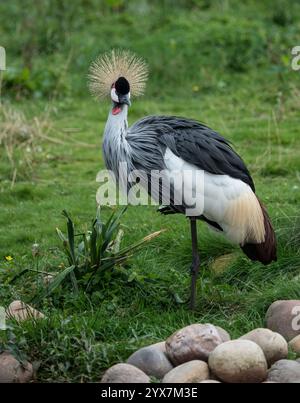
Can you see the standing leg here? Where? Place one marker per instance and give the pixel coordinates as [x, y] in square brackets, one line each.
[195, 262]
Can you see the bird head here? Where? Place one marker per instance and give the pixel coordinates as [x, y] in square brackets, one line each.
[120, 94]
[118, 74]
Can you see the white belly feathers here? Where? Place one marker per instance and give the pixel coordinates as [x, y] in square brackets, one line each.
[227, 201]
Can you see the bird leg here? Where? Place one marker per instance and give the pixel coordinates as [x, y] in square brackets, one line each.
[195, 262]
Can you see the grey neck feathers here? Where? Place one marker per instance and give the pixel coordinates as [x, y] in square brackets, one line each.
[137, 148]
[116, 149]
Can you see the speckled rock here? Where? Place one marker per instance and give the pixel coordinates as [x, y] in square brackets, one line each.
[190, 372]
[11, 370]
[285, 371]
[152, 360]
[238, 361]
[124, 373]
[193, 342]
[272, 344]
[283, 317]
[21, 311]
[295, 345]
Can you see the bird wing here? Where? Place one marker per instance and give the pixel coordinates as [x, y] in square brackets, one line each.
[199, 145]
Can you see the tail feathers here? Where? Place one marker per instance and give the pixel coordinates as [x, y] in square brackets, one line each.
[264, 252]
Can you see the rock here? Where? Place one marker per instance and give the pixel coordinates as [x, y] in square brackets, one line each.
[272, 344]
[152, 360]
[124, 373]
[295, 345]
[222, 263]
[210, 381]
[12, 371]
[238, 361]
[193, 342]
[283, 317]
[225, 336]
[21, 311]
[284, 371]
[190, 372]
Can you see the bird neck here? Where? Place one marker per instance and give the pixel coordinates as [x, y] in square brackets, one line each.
[117, 125]
[116, 149]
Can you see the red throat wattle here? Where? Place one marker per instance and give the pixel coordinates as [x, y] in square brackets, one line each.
[116, 110]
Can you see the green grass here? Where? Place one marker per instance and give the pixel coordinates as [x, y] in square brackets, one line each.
[255, 107]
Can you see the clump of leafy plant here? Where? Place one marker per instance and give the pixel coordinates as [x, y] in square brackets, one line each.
[36, 82]
[90, 255]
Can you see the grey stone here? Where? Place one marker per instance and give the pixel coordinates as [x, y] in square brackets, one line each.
[190, 372]
[21, 311]
[295, 345]
[12, 371]
[152, 360]
[272, 344]
[238, 361]
[285, 371]
[225, 336]
[283, 317]
[193, 342]
[124, 373]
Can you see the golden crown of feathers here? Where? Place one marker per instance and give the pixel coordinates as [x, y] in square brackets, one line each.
[107, 68]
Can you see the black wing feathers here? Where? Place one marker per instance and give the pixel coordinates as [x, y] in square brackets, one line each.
[199, 145]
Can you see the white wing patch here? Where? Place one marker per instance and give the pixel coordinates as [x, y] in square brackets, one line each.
[227, 201]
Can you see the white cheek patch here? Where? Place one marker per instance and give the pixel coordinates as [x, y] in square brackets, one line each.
[114, 95]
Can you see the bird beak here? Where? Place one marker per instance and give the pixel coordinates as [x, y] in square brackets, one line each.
[124, 99]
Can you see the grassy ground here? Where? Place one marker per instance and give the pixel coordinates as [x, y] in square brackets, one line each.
[83, 335]
[256, 109]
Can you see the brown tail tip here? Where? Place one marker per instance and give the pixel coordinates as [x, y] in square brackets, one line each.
[265, 252]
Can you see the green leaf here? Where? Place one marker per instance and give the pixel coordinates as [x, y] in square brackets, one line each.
[139, 243]
[56, 282]
[66, 245]
[71, 236]
[61, 235]
[117, 241]
[93, 247]
[113, 225]
[74, 281]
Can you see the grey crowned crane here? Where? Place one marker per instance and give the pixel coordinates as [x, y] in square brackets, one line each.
[173, 145]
